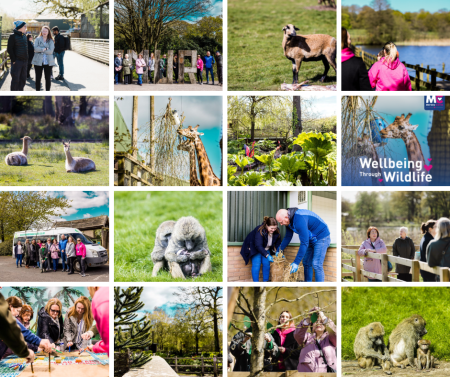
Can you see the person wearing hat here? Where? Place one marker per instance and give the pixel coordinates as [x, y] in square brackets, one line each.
[219, 61]
[18, 51]
[60, 50]
[117, 67]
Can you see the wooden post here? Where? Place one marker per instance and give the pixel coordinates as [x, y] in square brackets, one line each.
[181, 67]
[157, 70]
[433, 78]
[428, 75]
[358, 267]
[444, 274]
[443, 67]
[176, 364]
[203, 368]
[417, 78]
[134, 134]
[415, 270]
[384, 267]
[169, 69]
[130, 58]
[145, 74]
[421, 73]
[121, 171]
[215, 366]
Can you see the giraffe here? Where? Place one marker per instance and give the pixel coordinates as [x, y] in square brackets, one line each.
[367, 145]
[402, 129]
[188, 146]
[206, 172]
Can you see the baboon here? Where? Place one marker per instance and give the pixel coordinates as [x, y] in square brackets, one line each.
[370, 349]
[163, 235]
[424, 359]
[190, 237]
[403, 340]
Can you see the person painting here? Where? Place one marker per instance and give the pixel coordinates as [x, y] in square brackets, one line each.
[288, 348]
[78, 320]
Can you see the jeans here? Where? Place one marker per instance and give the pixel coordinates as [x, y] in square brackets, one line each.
[64, 260]
[72, 263]
[19, 258]
[313, 259]
[60, 60]
[150, 78]
[162, 73]
[257, 260]
[19, 75]
[116, 76]
[212, 75]
[428, 276]
[81, 262]
[47, 72]
[139, 78]
[199, 75]
[55, 264]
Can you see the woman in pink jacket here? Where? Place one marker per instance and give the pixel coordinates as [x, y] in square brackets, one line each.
[200, 69]
[318, 354]
[54, 253]
[80, 249]
[140, 64]
[373, 244]
[100, 311]
[389, 74]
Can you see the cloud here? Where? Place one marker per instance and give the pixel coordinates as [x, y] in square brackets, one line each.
[86, 216]
[82, 200]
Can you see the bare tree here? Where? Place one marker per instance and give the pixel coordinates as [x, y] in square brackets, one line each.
[379, 5]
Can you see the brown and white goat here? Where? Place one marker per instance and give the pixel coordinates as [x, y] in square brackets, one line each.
[330, 3]
[308, 48]
[77, 164]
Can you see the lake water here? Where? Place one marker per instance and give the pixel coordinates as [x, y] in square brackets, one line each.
[433, 56]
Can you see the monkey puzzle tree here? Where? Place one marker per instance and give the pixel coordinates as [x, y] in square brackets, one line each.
[131, 334]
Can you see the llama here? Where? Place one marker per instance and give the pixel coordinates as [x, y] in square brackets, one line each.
[19, 158]
[77, 164]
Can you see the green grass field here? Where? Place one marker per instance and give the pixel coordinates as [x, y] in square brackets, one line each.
[255, 57]
[137, 215]
[390, 305]
[46, 165]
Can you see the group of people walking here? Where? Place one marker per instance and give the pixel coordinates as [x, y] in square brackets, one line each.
[125, 65]
[264, 242]
[387, 74]
[41, 54]
[434, 250]
[290, 347]
[72, 333]
[46, 255]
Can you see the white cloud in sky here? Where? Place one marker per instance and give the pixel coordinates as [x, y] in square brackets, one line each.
[152, 296]
[86, 216]
[83, 199]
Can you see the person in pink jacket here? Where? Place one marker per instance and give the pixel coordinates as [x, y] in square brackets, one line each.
[80, 249]
[140, 64]
[54, 253]
[100, 311]
[318, 346]
[373, 244]
[200, 69]
[389, 74]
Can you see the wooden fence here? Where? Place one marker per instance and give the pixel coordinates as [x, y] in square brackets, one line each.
[55, 141]
[96, 49]
[3, 62]
[287, 373]
[180, 368]
[432, 74]
[359, 274]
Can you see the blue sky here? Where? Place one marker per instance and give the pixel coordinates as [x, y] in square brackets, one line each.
[325, 105]
[203, 110]
[84, 204]
[407, 5]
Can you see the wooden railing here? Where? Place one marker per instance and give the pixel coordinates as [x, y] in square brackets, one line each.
[432, 74]
[3, 62]
[287, 373]
[96, 49]
[180, 368]
[359, 274]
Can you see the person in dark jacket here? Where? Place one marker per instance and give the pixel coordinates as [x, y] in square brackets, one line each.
[354, 71]
[288, 348]
[50, 321]
[428, 231]
[403, 247]
[219, 61]
[34, 253]
[117, 68]
[258, 246]
[60, 50]
[438, 251]
[30, 54]
[18, 52]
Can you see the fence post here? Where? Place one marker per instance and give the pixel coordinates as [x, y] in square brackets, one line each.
[444, 274]
[417, 78]
[443, 67]
[428, 74]
[145, 74]
[203, 368]
[433, 78]
[415, 270]
[358, 267]
[421, 73]
[121, 171]
[384, 267]
[176, 364]
[215, 366]
[157, 69]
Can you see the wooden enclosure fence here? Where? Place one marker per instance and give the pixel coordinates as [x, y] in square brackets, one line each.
[432, 74]
[96, 49]
[54, 141]
[180, 368]
[3, 62]
[182, 68]
[359, 274]
[287, 373]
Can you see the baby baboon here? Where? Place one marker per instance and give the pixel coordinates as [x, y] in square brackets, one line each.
[403, 340]
[424, 359]
[189, 237]
[370, 349]
[163, 235]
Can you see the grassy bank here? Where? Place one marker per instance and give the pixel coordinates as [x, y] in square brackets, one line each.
[255, 57]
[137, 215]
[388, 305]
[46, 165]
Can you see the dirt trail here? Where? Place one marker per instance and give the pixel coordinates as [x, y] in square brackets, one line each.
[443, 370]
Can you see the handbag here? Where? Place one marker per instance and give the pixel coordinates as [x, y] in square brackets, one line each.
[390, 266]
[329, 369]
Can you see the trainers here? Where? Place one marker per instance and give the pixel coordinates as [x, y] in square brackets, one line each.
[83, 275]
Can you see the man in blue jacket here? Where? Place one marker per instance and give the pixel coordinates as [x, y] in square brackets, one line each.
[117, 68]
[62, 248]
[209, 63]
[314, 240]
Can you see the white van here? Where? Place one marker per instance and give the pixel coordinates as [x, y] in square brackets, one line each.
[96, 255]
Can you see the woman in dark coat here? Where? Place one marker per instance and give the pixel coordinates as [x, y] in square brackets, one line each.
[30, 53]
[50, 322]
[34, 254]
[288, 347]
[438, 251]
[404, 248]
[428, 231]
[258, 246]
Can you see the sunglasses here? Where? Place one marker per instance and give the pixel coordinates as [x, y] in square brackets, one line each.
[54, 311]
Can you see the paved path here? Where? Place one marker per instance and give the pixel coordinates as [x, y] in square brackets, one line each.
[80, 74]
[168, 87]
[9, 272]
[157, 367]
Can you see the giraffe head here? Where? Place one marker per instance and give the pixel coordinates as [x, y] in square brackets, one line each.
[190, 133]
[186, 146]
[399, 129]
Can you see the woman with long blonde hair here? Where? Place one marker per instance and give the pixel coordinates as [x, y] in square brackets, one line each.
[50, 321]
[43, 59]
[78, 320]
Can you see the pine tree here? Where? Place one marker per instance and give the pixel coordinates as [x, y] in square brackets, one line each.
[131, 334]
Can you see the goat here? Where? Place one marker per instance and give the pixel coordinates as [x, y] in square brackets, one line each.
[19, 158]
[331, 3]
[77, 164]
[308, 48]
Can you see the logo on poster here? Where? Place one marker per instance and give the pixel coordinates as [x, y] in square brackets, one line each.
[434, 102]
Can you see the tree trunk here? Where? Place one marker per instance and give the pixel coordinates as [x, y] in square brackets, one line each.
[258, 331]
[134, 126]
[2, 230]
[196, 344]
[58, 106]
[48, 106]
[252, 121]
[83, 106]
[65, 113]
[6, 102]
[152, 133]
[216, 332]
[297, 121]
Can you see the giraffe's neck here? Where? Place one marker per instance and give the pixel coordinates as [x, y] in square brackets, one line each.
[204, 165]
[193, 168]
[413, 149]
[25, 147]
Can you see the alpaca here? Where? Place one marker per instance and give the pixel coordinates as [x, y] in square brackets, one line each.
[19, 158]
[77, 164]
